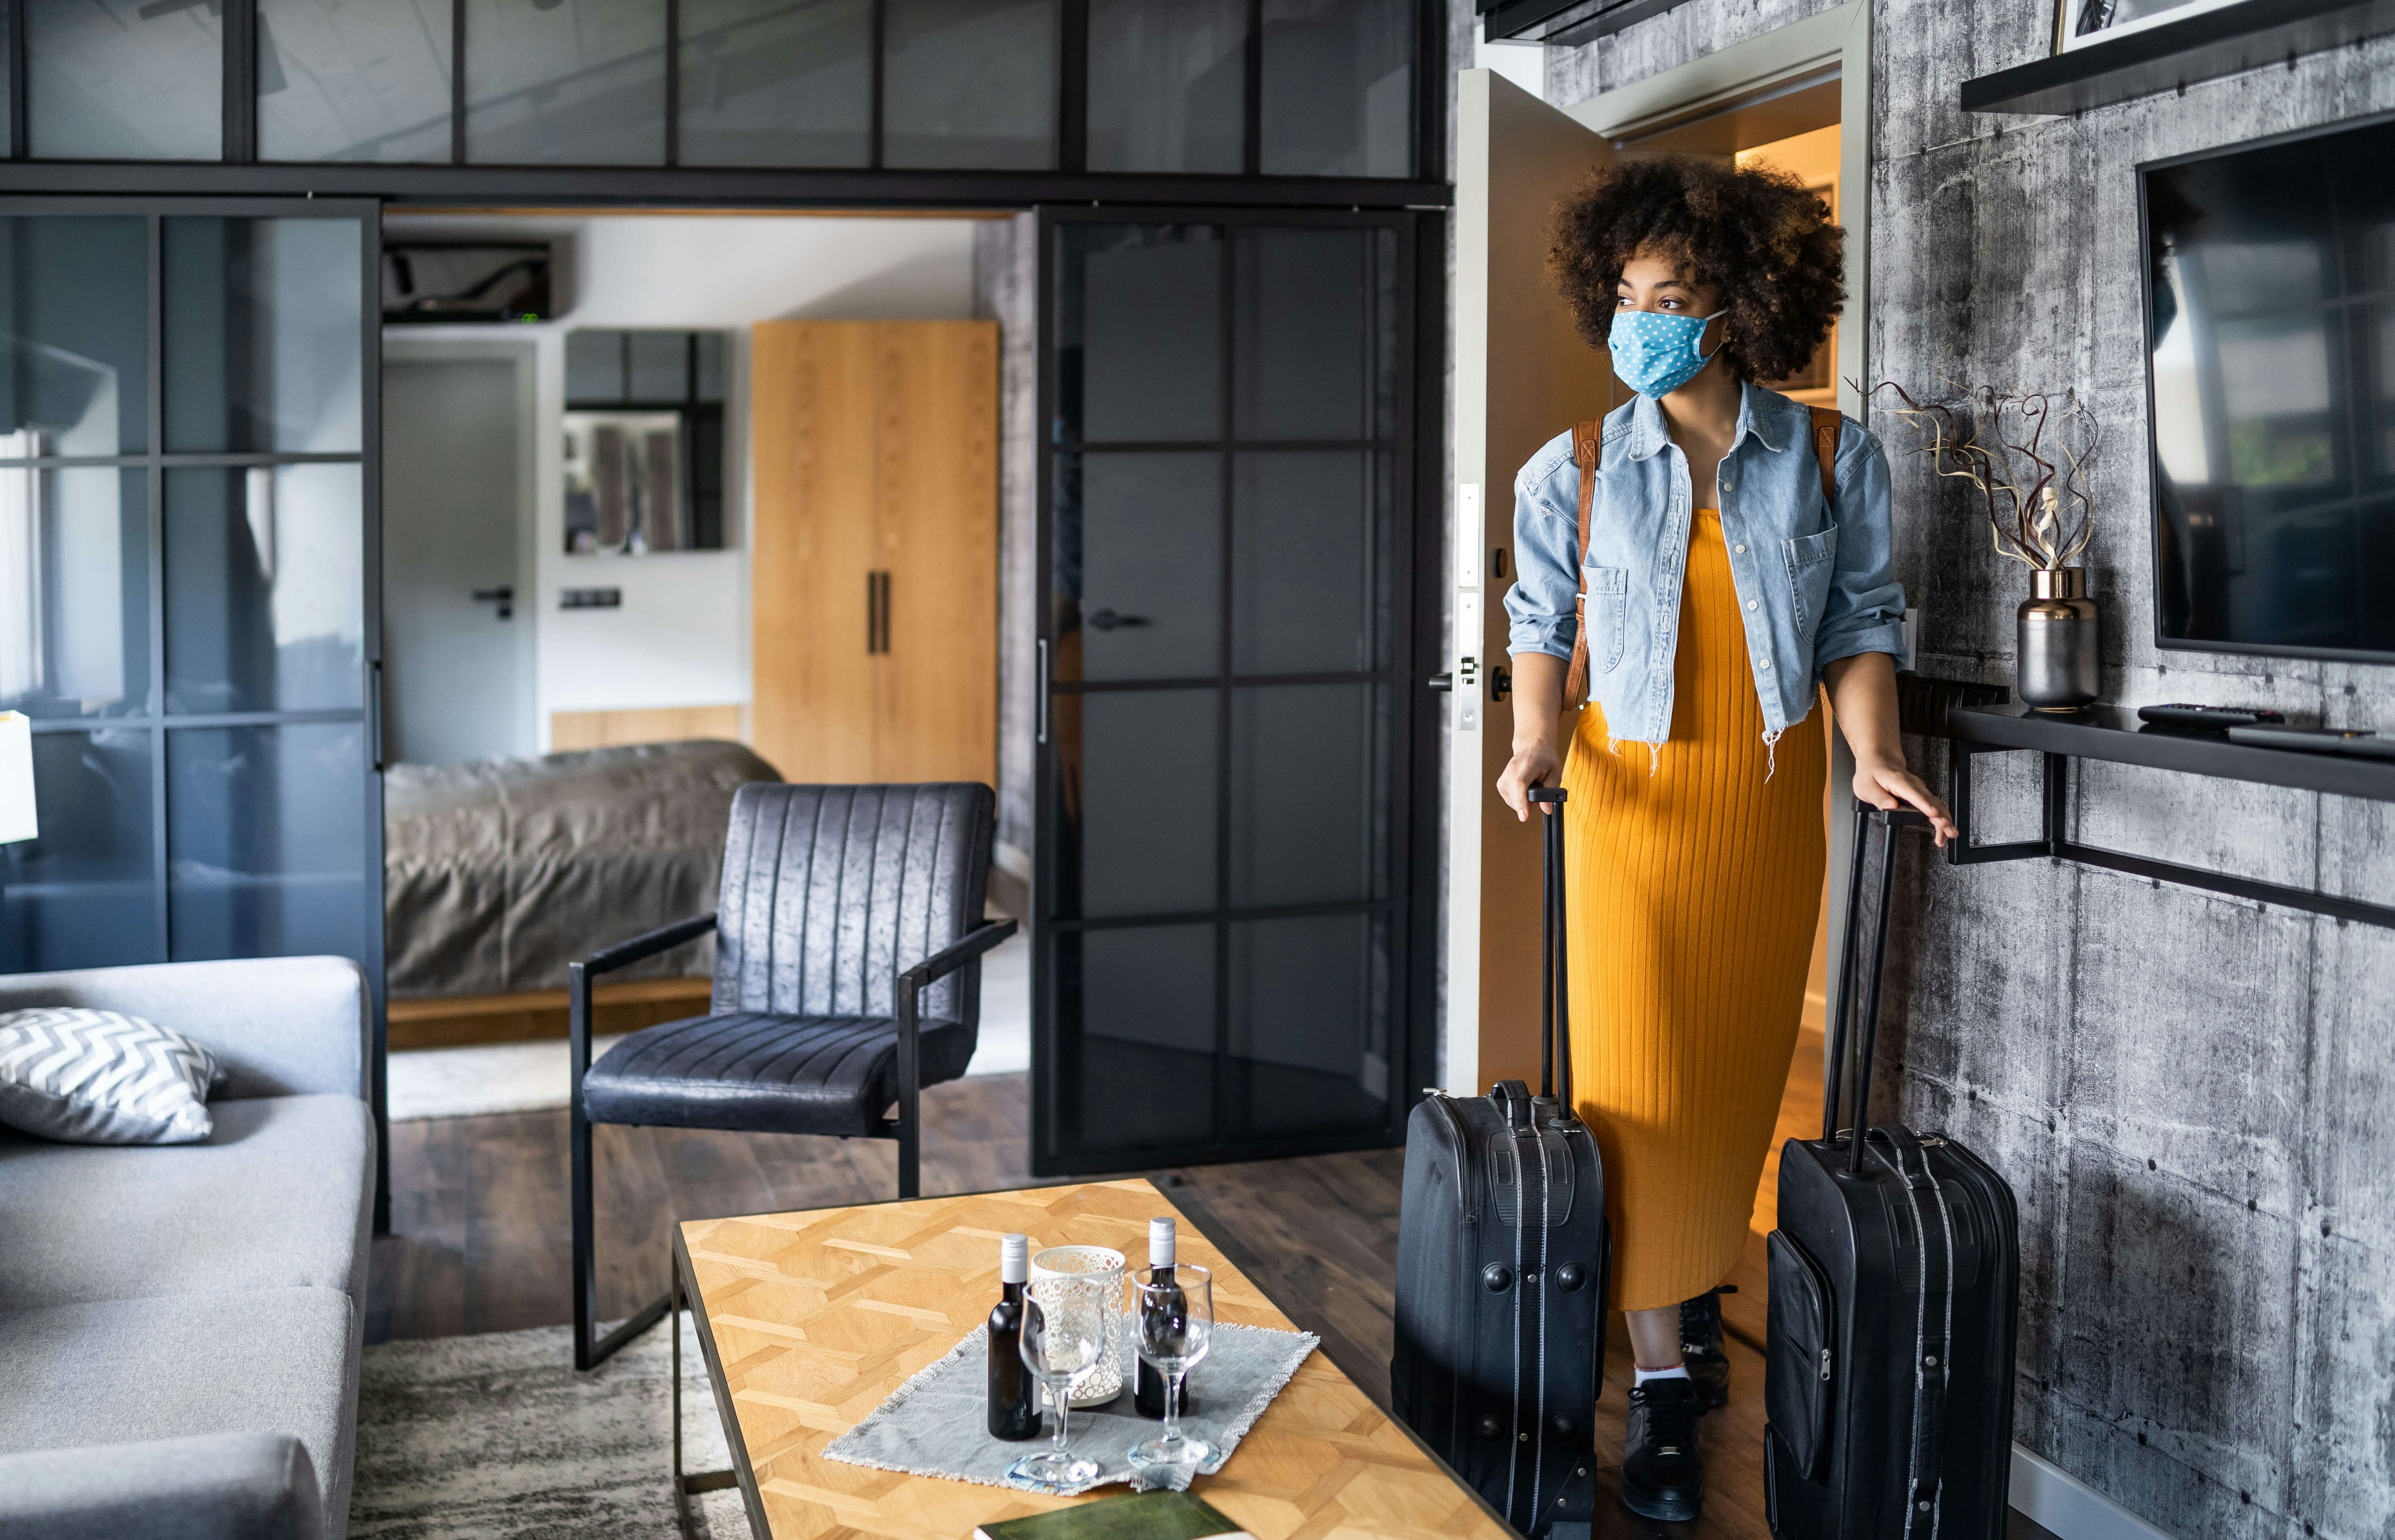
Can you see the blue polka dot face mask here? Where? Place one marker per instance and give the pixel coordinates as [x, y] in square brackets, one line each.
[1655, 351]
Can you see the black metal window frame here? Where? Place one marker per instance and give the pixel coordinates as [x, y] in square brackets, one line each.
[240, 173]
[1410, 904]
[155, 720]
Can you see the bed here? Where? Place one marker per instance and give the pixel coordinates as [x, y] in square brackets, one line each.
[499, 872]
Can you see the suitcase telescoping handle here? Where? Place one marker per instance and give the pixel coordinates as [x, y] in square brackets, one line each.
[1555, 995]
[1890, 819]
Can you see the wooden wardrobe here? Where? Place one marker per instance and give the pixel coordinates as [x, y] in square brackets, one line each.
[874, 550]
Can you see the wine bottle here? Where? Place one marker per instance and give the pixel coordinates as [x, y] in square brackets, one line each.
[1013, 1394]
[1147, 1388]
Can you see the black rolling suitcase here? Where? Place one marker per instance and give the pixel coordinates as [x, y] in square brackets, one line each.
[1502, 1258]
[1889, 1384]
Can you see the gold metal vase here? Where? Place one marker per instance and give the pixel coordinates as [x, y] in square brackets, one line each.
[2055, 668]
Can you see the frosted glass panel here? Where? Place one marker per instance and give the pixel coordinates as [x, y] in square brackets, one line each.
[266, 841]
[76, 333]
[1144, 785]
[124, 80]
[1309, 1022]
[1142, 1057]
[1316, 332]
[354, 80]
[777, 82]
[970, 84]
[1168, 85]
[1151, 562]
[263, 342]
[84, 894]
[265, 589]
[1140, 328]
[1290, 847]
[75, 591]
[1310, 561]
[1338, 87]
[573, 83]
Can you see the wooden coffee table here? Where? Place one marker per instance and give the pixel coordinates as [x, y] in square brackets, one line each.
[809, 1320]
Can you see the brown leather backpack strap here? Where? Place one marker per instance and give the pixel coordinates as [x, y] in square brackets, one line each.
[1826, 425]
[1586, 442]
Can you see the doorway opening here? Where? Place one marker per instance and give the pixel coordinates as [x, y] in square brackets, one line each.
[1010, 498]
[1796, 98]
[1792, 127]
[720, 501]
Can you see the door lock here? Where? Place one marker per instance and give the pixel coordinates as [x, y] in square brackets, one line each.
[503, 597]
[1501, 682]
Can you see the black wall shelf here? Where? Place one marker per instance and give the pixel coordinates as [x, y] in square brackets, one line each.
[2178, 54]
[2118, 737]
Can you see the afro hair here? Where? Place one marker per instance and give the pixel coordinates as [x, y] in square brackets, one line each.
[1755, 235]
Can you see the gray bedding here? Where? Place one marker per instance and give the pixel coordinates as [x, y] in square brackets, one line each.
[499, 872]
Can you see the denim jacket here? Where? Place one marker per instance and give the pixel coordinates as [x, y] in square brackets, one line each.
[1813, 582]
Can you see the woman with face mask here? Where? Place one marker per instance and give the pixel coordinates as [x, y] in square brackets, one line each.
[1720, 593]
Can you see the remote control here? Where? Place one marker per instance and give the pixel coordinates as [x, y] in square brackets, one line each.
[2180, 714]
[2319, 740]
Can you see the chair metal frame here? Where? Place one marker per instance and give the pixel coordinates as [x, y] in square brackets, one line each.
[589, 1349]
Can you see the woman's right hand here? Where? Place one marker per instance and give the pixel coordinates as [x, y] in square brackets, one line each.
[1534, 765]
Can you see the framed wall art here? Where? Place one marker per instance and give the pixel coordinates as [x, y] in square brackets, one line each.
[2078, 23]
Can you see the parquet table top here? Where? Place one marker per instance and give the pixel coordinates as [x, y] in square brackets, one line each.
[809, 1320]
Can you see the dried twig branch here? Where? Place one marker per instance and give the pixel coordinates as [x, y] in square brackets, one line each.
[2035, 491]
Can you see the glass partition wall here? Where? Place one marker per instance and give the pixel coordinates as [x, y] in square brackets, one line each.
[1320, 88]
[187, 611]
[1225, 796]
[1237, 777]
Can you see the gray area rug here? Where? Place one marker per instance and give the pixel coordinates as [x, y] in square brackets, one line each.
[496, 1436]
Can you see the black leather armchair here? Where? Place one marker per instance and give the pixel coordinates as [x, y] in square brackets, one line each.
[848, 933]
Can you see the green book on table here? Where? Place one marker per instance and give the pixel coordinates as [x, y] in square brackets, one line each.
[1148, 1515]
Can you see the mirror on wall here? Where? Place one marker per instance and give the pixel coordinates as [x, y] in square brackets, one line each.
[643, 436]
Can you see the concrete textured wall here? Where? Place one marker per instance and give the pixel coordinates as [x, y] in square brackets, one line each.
[2189, 1093]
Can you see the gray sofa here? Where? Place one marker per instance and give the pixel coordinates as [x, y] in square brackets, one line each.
[180, 1324]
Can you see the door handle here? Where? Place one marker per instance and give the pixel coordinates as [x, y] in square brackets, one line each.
[1441, 682]
[374, 713]
[877, 612]
[1106, 619]
[1039, 692]
[503, 597]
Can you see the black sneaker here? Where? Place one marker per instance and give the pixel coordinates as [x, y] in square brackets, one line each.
[1662, 1474]
[1702, 1350]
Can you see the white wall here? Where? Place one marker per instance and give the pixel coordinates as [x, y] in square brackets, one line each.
[681, 636]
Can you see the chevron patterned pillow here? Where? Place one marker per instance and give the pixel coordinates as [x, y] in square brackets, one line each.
[96, 1077]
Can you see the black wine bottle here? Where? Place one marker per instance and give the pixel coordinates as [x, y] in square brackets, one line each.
[1147, 1387]
[1013, 1394]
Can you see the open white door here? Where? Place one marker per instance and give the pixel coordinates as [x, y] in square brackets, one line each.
[1522, 376]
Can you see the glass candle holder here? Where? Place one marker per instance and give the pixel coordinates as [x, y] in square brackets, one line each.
[1094, 1274]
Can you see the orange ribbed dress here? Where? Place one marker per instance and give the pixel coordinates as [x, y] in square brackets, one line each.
[1694, 892]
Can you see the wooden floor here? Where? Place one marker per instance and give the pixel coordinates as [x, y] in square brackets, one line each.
[481, 1240]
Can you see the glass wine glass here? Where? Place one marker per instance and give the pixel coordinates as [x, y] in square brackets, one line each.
[1175, 1325]
[1063, 1339]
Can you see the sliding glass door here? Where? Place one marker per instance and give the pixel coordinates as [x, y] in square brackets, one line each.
[188, 417]
[1224, 799]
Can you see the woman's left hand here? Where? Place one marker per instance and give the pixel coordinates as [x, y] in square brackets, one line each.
[1888, 786]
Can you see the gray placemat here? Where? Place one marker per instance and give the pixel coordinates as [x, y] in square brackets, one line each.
[937, 1423]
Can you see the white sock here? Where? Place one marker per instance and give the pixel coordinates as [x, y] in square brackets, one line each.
[1677, 1370]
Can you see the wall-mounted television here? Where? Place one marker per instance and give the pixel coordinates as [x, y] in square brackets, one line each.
[2271, 382]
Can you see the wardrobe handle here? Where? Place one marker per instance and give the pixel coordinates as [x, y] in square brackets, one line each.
[877, 612]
